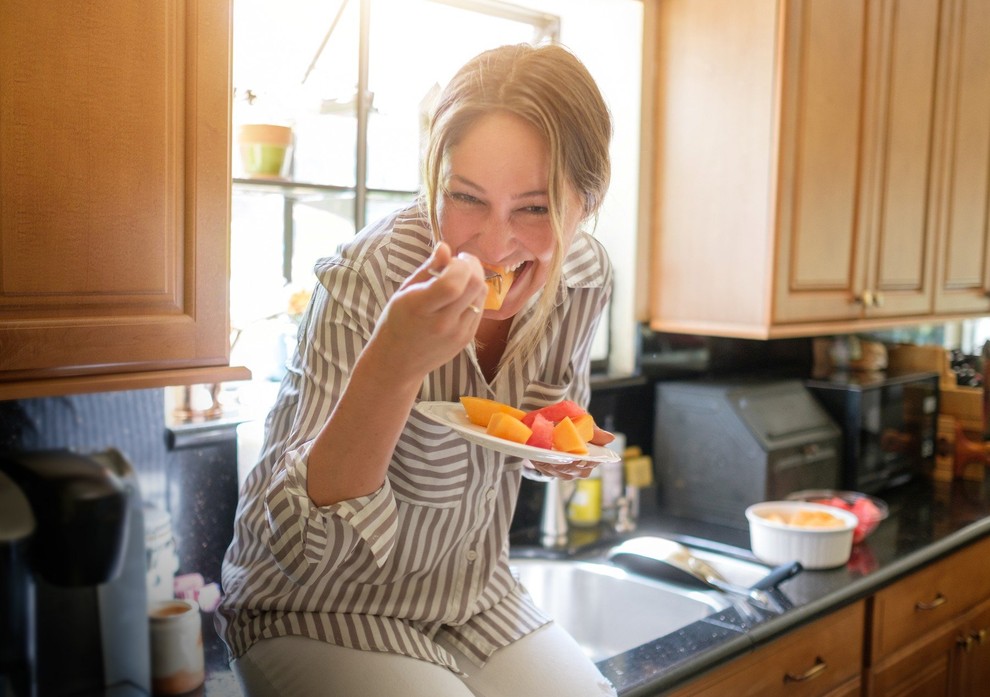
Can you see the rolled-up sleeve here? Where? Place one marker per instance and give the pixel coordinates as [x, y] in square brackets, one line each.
[307, 539]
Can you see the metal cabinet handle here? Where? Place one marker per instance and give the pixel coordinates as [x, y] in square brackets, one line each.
[812, 672]
[977, 637]
[937, 601]
[878, 299]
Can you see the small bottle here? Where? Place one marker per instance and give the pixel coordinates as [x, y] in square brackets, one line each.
[585, 507]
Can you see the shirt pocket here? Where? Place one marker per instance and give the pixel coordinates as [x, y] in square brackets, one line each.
[540, 394]
[430, 464]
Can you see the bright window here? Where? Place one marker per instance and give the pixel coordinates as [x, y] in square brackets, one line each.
[305, 63]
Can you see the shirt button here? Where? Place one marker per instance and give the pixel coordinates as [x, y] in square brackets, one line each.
[471, 555]
[490, 494]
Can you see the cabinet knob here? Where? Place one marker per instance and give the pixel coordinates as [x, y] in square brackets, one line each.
[935, 602]
[865, 298]
[981, 636]
[810, 674]
[878, 299]
[966, 643]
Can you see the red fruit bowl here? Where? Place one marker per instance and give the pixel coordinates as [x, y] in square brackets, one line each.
[868, 509]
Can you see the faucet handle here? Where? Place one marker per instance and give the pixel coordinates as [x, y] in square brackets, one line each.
[625, 522]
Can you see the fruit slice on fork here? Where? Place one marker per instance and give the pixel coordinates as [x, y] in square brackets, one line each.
[499, 280]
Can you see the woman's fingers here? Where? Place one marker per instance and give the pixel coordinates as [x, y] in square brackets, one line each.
[601, 437]
[458, 286]
[579, 469]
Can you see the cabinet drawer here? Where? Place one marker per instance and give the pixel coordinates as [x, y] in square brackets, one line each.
[816, 659]
[915, 605]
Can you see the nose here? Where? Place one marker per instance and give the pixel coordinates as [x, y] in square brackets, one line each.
[496, 239]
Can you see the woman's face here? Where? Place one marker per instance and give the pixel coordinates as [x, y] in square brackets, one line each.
[495, 205]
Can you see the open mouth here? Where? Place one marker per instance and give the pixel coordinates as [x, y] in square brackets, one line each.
[500, 280]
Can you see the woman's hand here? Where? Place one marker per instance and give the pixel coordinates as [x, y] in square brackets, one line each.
[579, 469]
[434, 314]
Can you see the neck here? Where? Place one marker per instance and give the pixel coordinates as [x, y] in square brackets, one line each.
[490, 342]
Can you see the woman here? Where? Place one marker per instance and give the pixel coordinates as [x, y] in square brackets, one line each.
[370, 553]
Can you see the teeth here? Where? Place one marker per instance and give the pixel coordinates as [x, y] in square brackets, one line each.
[491, 271]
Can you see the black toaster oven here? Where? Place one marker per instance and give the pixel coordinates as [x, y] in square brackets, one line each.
[889, 425]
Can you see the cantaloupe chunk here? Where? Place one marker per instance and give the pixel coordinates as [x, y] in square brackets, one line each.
[498, 287]
[567, 439]
[508, 427]
[479, 410]
[585, 425]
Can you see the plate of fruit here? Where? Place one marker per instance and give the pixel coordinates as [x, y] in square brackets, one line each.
[559, 433]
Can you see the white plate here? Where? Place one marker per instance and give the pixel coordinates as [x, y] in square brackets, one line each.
[452, 414]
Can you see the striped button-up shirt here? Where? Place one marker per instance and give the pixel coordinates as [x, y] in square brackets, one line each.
[423, 561]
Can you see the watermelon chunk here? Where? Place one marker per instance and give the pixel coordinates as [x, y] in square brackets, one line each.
[556, 412]
[542, 436]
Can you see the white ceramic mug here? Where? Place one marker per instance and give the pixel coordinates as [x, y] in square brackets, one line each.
[176, 647]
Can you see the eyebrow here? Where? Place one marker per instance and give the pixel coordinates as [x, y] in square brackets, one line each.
[479, 188]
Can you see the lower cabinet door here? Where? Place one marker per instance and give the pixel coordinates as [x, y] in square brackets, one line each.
[972, 653]
[922, 669]
[821, 659]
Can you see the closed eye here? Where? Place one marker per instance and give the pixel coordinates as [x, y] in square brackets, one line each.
[536, 210]
[461, 197]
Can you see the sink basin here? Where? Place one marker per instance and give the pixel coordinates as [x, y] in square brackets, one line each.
[608, 610]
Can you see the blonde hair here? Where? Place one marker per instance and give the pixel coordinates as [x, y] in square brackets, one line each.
[552, 90]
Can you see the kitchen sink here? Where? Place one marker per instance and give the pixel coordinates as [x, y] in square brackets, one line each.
[608, 610]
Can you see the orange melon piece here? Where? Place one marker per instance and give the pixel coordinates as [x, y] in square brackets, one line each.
[479, 410]
[498, 287]
[508, 427]
[585, 425]
[567, 439]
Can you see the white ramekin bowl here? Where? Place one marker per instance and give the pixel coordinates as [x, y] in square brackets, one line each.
[816, 548]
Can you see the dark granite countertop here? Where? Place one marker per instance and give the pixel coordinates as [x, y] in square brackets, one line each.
[928, 520]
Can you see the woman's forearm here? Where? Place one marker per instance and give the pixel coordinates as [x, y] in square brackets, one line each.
[351, 454]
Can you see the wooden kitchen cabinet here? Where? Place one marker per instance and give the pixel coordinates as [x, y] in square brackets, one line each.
[821, 659]
[963, 276]
[797, 147]
[931, 630]
[971, 659]
[115, 182]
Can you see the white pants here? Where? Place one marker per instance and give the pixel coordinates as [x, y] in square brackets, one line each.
[547, 662]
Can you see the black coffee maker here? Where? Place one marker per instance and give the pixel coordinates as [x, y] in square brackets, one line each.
[73, 595]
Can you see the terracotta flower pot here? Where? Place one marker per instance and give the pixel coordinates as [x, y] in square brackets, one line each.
[266, 150]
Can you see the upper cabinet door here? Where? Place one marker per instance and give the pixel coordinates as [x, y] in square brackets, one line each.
[963, 275]
[822, 246]
[115, 181]
[856, 235]
[895, 200]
